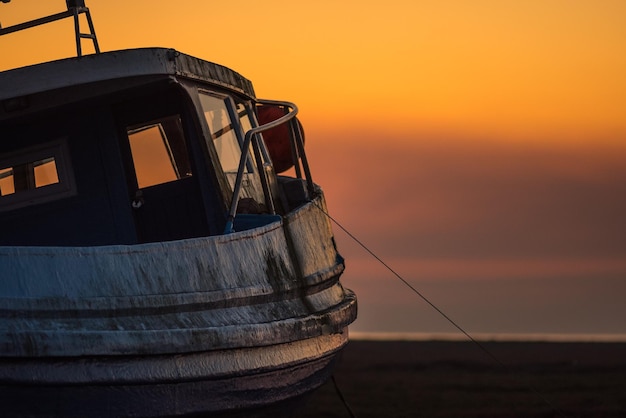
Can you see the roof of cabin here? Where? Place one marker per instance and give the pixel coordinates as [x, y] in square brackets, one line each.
[118, 65]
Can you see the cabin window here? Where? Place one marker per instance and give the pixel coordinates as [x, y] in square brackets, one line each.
[225, 119]
[35, 175]
[244, 117]
[159, 152]
[244, 111]
[28, 176]
[223, 132]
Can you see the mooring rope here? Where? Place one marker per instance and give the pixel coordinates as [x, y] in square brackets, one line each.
[343, 400]
[477, 343]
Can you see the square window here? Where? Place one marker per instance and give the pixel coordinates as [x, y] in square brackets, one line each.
[159, 152]
[35, 175]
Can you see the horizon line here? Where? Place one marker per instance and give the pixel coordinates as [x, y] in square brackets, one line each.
[489, 337]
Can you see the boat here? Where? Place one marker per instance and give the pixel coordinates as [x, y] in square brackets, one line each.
[153, 259]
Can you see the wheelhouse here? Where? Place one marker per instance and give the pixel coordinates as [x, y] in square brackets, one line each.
[96, 153]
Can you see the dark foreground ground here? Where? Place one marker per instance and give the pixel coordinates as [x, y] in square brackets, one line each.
[457, 379]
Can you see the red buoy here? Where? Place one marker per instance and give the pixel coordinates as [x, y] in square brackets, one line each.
[277, 140]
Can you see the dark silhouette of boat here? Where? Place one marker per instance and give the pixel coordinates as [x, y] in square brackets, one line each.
[152, 261]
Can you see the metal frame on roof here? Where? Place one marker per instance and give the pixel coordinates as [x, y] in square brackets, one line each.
[74, 9]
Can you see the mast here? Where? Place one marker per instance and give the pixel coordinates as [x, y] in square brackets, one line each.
[74, 9]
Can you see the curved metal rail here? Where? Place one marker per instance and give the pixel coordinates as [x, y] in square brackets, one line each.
[298, 155]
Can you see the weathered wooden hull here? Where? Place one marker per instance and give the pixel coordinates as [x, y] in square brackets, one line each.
[209, 325]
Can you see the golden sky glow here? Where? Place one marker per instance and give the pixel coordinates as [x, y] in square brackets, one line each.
[497, 69]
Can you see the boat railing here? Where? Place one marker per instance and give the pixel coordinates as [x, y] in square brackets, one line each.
[298, 157]
[74, 9]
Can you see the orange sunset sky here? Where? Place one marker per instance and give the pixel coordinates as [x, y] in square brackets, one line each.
[479, 147]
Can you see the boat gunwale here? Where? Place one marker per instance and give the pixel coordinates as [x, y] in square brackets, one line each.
[165, 303]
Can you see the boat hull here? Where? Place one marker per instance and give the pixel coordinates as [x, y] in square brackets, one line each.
[232, 382]
[226, 324]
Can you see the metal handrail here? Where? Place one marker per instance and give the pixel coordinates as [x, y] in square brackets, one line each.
[253, 133]
[298, 142]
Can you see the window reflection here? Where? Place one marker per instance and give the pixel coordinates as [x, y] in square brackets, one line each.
[35, 175]
[45, 172]
[244, 117]
[6, 182]
[227, 142]
[28, 176]
[159, 152]
[222, 133]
